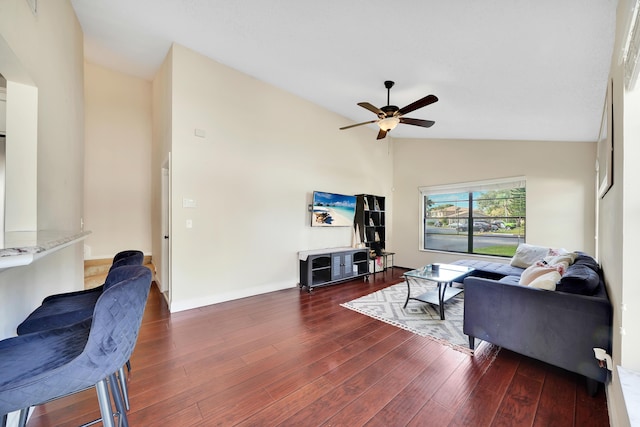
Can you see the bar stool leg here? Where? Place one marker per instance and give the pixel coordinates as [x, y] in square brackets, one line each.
[123, 387]
[22, 419]
[105, 403]
[117, 397]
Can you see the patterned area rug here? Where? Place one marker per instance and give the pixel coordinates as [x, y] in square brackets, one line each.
[420, 318]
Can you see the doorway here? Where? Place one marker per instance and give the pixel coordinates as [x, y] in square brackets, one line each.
[165, 256]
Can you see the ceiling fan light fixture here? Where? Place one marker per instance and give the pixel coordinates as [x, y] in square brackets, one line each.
[389, 123]
[389, 116]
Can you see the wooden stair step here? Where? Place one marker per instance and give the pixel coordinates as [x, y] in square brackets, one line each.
[96, 270]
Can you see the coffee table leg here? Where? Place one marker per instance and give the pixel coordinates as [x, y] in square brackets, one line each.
[406, 279]
[442, 287]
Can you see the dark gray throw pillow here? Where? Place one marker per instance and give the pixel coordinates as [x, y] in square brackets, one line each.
[584, 259]
[579, 279]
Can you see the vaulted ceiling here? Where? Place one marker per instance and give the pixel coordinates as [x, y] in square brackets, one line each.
[502, 69]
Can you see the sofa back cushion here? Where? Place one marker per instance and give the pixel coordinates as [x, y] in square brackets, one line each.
[584, 259]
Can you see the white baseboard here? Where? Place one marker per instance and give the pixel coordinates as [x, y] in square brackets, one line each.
[203, 301]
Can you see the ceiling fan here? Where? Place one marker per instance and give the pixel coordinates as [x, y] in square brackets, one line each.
[389, 116]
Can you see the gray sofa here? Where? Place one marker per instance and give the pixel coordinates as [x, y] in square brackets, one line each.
[559, 327]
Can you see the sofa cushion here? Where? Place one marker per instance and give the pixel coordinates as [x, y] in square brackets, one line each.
[579, 279]
[493, 268]
[511, 280]
[527, 255]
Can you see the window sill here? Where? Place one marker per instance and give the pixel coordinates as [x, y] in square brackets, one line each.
[630, 383]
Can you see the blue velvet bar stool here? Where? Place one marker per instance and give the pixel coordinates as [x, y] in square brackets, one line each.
[128, 257]
[42, 366]
[68, 308]
[65, 309]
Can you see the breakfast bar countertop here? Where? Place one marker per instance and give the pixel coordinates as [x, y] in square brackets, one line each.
[23, 247]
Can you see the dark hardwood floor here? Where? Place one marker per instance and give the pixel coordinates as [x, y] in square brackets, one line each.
[295, 359]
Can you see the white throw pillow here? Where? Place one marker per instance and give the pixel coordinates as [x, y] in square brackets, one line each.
[533, 272]
[527, 255]
[546, 281]
[567, 258]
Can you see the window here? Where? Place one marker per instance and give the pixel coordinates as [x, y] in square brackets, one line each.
[486, 217]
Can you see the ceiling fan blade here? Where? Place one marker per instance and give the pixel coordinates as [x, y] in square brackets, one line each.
[417, 122]
[371, 108]
[358, 124]
[382, 134]
[429, 99]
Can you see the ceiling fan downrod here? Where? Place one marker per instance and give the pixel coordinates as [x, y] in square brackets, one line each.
[388, 84]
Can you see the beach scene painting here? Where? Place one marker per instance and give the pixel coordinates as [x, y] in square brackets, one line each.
[332, 210]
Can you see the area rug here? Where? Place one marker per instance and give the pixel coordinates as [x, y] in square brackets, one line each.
[420, 318]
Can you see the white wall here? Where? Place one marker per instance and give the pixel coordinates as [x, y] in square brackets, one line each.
[117, 190]
[252, 177]
[48, 48]
[560, 184]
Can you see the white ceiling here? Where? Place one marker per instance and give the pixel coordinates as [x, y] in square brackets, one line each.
[502, 69]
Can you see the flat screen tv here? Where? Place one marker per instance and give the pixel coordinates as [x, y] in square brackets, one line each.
[332, 210]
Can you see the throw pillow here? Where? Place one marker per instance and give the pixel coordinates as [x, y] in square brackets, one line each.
[527, 255]
[584, 259]
[546, 281]
[579, 279]
[567, 258]
[540, 268]
[533, 272]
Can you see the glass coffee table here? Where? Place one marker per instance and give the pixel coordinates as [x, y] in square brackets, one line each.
[443, 275]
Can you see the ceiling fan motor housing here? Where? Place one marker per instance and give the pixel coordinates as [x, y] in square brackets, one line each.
[389, 110]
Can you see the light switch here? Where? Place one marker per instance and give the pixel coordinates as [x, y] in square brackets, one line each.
[189, 223]
[200, 133]
[188, 203]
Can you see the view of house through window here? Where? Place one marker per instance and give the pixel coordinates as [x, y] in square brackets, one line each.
[485, 217]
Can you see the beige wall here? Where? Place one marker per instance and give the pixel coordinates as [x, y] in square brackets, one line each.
[264, 153]
[117, 189]
[21, 185]
[252, 177]
[48, 48]
[161, 147]
[620, 227]
[560, 184]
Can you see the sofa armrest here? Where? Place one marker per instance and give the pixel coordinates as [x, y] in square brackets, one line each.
[555, 327]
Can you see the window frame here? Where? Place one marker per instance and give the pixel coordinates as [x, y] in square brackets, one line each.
[465, 187]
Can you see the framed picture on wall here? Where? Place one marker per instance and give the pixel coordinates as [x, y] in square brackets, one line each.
[604, 161]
